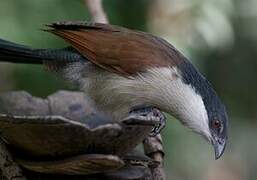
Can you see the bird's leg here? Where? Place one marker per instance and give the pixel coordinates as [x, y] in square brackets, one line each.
[147, 116]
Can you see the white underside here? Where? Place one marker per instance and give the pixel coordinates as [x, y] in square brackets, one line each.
[159, 87]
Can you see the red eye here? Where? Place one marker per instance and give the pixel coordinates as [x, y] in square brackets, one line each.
[216, 124]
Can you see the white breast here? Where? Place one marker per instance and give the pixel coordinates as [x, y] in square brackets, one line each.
[159, 87]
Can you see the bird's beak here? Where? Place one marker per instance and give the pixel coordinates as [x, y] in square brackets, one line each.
[219, 147]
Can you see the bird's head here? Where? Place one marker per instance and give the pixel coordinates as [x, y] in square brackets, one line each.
[208, 117]
[184, 93]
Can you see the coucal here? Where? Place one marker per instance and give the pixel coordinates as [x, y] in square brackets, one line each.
[128, 72]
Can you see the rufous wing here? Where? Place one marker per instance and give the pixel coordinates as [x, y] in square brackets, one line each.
[117, 49]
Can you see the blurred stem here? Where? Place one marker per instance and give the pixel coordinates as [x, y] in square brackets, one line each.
[96, 10]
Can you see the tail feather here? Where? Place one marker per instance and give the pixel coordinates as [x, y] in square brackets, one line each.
[15, 53]
[12, 52]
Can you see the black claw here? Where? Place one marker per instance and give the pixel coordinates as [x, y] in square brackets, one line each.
[157, 129]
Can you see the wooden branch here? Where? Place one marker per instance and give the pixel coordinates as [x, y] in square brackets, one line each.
[9, 169]
[96, 10]
[154, 149]
[29, 124]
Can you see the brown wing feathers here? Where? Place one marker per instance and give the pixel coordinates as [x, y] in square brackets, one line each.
[117, 49]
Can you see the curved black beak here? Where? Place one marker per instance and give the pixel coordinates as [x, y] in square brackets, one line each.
[219, 147]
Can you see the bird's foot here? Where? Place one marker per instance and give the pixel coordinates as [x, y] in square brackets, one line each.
[149, 116]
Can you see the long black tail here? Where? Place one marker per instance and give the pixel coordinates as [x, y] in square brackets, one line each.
[15, 53]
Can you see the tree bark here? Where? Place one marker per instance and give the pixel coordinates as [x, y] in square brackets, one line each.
[154, 149]
[10, 170]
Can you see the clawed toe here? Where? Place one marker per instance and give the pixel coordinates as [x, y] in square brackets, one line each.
[147, 116]
[157, 129]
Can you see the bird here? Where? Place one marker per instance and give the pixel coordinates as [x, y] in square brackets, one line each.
[130, 73]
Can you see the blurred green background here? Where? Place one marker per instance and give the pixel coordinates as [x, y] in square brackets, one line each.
[220, 37]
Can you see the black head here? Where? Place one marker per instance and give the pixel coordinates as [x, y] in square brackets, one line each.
[217, 116]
